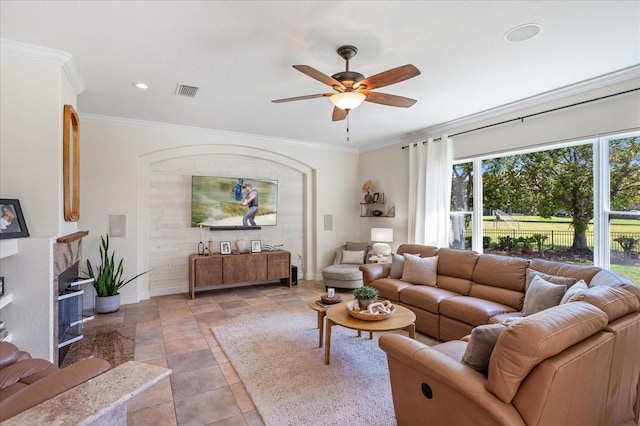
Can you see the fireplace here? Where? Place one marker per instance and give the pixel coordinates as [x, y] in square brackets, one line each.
[69, 290]
[71, 315]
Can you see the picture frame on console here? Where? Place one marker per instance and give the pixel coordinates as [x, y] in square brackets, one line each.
[256, 246]
[12, 223]
[225, 247]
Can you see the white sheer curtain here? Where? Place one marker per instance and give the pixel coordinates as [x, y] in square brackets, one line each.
[430, 192]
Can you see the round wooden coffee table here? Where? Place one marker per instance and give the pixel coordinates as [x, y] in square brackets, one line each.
[402, 319]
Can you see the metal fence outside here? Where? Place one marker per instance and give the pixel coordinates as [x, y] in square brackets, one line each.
[556, 240]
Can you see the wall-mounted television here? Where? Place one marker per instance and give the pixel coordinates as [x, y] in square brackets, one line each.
[217, 202]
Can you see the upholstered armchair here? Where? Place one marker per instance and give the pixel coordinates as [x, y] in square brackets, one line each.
[345, 272]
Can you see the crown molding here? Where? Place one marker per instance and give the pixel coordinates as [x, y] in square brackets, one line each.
[581, 87]
[249, 137]
[45, 55]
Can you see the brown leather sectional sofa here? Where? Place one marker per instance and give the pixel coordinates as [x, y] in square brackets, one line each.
[572, 364]
[26, 382]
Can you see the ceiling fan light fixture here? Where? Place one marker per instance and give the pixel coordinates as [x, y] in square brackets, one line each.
[347, 100]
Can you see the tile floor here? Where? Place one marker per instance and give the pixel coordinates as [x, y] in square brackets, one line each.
[175, 331]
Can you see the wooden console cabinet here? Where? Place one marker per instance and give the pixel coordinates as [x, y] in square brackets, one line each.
[233, 270]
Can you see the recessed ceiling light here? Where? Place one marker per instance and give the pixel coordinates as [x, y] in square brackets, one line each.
[140, 85]
[523, 32]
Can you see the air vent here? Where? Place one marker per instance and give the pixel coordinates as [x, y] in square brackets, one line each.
[185, 90]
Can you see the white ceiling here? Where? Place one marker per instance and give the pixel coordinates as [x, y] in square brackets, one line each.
[240, 53]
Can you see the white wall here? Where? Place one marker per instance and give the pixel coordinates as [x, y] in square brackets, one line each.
[32, 104]
[388, 167]
[117, 161]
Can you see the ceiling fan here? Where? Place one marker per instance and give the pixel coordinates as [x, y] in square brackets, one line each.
[352, 88]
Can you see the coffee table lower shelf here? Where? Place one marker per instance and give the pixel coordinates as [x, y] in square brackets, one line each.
[402, 319]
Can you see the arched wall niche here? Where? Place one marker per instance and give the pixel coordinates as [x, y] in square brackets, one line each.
[165, 237]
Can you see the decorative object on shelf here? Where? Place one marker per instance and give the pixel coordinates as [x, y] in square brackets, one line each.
[107, 279]
[381, 236]
[12, 224]
[376, 311]
[376, 197]
[71, 164]
[1, 286]
[368, 189]
[376, 213]
[256, 246]
[365, 296]
[225, 247]
[241, 246]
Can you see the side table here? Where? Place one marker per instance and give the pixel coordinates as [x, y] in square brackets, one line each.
[322, 311]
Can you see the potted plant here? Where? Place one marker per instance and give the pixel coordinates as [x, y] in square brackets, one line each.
[108, 279]
[527, 244]
[365, 296]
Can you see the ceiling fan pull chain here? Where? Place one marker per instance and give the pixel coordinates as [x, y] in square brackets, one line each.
[347, 126]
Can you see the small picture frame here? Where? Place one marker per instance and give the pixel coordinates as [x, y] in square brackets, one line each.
[256, 246]
[12, 224]
[376, 197]
[1, 286]
[225, 247]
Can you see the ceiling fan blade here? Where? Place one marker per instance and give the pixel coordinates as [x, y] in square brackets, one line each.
[321, 77]
[301, 98]
[338, 114]
[392, 76]
[391, 100]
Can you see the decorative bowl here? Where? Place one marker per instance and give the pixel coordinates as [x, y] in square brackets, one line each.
[377, 212]
[331, 300]
[366, 315]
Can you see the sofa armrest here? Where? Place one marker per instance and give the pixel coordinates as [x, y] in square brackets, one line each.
[374, 271]
[9, 354]
[52, 385]
[452, 393]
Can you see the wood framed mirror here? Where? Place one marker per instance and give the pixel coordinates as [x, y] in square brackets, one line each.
[71, 164]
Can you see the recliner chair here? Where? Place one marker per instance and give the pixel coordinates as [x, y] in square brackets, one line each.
[26, 382]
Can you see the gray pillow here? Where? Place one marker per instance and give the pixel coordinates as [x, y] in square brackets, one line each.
[541, 295]
[555, 279]
[397, 264]
[574, 292]
[481, 343]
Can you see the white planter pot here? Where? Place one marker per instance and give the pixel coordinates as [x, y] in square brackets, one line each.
[107, 304]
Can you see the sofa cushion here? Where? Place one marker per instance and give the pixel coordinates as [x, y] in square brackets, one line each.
[541, 295]
[420, 270]
[555, 279]
[615, 301]
[425, 297]
[344, 272]
[481, 343]
[500, 279]
[529, 341]
[389, 288]
[574, 291]
[471, 310]
[351, 246]
[352, 257]
[421, 250]
[455, 269]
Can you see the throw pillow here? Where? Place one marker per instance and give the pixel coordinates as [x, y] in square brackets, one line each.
[353, 257]
[481, 343]
[574, 292]
[397, 265]
[541, 295]
[420, 270]
[555, 279]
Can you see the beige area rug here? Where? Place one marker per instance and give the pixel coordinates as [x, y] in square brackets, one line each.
[282, 368]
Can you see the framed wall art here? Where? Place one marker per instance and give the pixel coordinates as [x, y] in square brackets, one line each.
[225, 247]
[12, 223]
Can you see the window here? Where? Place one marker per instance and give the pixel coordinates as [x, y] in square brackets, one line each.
[577, 202]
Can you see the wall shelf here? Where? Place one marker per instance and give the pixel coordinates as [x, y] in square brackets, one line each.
[376, 208]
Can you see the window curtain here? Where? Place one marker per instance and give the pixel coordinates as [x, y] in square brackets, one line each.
[430, 166]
